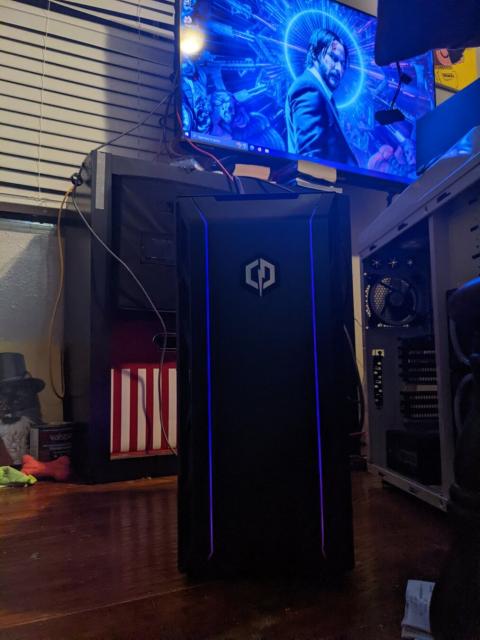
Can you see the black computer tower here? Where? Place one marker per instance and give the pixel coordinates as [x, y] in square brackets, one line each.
[266, 384]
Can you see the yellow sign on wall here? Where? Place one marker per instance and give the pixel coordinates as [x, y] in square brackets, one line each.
[455, 68]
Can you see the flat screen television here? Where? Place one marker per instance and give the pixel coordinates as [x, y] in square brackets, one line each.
[297, 79]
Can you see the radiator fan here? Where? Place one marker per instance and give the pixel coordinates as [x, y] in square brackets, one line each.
[392, 301]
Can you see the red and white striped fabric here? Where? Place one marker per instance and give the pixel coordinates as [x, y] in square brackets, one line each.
[135, 428]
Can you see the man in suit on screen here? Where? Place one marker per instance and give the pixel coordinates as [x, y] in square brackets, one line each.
[313, 123]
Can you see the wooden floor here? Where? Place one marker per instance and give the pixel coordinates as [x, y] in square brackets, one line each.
[99, 562]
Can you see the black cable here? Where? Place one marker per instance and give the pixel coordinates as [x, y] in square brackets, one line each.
[77, 179]
[399, 86]
[165, 127]
[159, 390]
[145, 293]
[138, 124]
[358, 380]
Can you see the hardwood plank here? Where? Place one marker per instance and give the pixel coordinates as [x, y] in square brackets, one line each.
[89, 562]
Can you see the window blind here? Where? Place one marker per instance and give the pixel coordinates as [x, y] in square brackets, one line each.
[74, 75]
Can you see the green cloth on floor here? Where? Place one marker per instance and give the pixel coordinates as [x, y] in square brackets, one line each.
[10, 477]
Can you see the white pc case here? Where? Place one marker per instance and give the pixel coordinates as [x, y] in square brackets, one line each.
[414, 255]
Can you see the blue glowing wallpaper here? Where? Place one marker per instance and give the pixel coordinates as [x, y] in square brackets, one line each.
[297, 79]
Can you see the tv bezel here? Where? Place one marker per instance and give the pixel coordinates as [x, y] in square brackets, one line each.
[352, 175]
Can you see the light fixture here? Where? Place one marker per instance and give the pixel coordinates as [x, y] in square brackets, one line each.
[192, 40]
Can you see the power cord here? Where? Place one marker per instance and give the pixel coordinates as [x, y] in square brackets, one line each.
[159, 390]
[77, 179]
[143, 290]
[61, 280]
[138, 124]
[233, 180]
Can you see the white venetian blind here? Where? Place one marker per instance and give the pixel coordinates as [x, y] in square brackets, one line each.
[74, 75]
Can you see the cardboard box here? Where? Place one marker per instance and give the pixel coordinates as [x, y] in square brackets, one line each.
[50, 441]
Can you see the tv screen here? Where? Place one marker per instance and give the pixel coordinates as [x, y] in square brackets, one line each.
[297, 79]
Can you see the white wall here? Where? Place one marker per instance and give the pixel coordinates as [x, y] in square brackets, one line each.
[29, 274]
[369, 6]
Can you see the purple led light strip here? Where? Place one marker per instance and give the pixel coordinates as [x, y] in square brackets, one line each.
[209, 374]
[317, 392]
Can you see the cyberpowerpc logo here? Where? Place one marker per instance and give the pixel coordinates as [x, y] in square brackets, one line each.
[260, 275]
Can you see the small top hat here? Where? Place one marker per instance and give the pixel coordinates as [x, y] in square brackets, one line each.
[13, 369]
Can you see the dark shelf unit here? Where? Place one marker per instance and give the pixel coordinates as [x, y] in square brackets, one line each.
[91, 305]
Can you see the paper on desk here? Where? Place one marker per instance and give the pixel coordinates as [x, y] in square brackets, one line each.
[416, 621]
[409, 633]
[319, 171]
[252, 171]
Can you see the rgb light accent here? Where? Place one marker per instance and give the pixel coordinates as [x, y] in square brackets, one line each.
[317, 380]
[209, 377]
